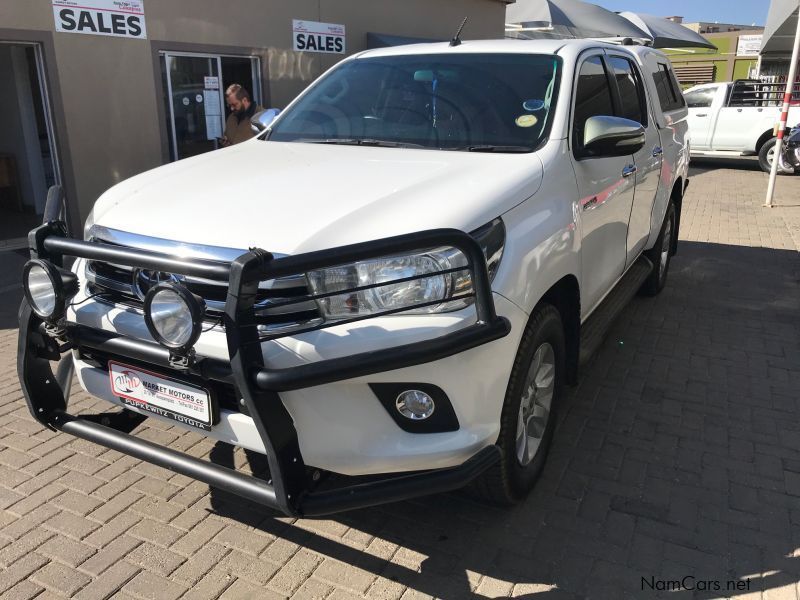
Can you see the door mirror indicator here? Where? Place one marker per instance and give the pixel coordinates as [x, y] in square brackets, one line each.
[612, 136]
[263, 119]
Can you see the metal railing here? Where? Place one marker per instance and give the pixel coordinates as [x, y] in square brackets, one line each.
[760, 94]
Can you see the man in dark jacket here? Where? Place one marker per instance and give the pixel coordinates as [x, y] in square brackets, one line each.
[237, 125]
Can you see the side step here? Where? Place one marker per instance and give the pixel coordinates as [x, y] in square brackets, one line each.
[596, 327]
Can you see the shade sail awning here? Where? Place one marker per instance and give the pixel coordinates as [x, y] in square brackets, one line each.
[781, 27]
[666, 33]
[572, 17]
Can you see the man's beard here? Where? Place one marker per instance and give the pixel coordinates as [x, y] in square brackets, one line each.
[241, 114]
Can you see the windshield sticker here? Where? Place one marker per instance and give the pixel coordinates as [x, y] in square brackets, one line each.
[526, 121]
[533, 105]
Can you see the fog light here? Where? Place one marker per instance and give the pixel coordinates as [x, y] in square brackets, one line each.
[48, 288]
[415, 405]
[174, 316]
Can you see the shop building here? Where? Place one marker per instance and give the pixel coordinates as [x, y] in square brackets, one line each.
[735, 57]
[95, 91]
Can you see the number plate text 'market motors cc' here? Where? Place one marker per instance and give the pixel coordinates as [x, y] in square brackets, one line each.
[438, 236]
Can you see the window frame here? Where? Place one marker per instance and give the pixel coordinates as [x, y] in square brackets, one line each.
[611, 80]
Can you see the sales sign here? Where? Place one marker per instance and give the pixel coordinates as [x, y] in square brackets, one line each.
[309, 36]
[118, 18]
[749, 45]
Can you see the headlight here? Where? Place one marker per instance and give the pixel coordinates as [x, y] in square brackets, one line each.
[174, 316]
[48, 288]
[87, 227]
[422, 283]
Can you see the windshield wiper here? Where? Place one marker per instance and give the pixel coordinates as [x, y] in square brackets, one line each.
[360, 142]
[390, 144]
[344, 141]
[493, 148]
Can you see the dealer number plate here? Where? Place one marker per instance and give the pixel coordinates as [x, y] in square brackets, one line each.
[161, 395]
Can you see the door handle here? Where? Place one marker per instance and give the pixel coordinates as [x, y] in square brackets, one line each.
[629, 170]
[658, 151]
[702, 115]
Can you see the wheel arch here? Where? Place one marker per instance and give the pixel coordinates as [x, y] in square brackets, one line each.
[565, 296]
[676, 197]
[765, 137]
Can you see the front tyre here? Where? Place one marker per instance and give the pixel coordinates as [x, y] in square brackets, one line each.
[528, 418]
[767, 154]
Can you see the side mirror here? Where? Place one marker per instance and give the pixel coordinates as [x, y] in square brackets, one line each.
[612, 136]
[263, 119]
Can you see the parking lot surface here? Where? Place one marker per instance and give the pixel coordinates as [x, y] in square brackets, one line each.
[676, 461]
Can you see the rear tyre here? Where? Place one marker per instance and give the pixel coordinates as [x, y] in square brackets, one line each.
[767, 154]
[661, 254]
[528, 418]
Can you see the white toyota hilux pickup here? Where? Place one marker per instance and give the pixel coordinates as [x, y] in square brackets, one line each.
[738, 118]
[392, 282]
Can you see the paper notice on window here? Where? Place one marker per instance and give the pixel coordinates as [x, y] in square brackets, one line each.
[211, 101]
[213, 127]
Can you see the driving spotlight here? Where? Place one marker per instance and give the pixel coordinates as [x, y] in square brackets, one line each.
[174, 316]
[48, 288]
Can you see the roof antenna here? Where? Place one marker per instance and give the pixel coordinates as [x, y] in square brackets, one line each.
[456, 41]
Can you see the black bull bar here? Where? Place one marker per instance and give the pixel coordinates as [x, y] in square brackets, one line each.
[290, 489]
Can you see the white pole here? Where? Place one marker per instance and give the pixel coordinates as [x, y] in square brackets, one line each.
[787, 98]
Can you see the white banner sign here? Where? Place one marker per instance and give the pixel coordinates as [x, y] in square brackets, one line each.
[119, 18]
[309, 36]
[749, 45]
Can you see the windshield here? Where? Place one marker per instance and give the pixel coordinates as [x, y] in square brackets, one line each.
[477, 102]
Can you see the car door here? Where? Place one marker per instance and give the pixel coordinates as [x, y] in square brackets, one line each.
[605, 185]
[741, 119]
[632, 104]
[701, 116]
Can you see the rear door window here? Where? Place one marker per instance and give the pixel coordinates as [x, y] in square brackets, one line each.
[669, 93]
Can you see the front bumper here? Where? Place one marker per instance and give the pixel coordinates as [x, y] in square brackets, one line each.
[290, 490]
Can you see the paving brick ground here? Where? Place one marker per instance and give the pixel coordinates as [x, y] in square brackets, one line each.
[678, 455]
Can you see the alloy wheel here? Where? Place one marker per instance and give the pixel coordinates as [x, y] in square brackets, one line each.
[537, 399]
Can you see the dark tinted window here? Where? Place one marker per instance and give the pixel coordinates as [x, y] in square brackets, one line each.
[630, 90]
[593, 97]
[701, 98]
[669, 93]
[677, 91]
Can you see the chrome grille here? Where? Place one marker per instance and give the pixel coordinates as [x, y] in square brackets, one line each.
[119, 285]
